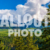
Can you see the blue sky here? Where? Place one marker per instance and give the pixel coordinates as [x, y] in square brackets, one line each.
[11, 4]
[46, 5]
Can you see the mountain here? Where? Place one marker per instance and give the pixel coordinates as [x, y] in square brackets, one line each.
[30, 26]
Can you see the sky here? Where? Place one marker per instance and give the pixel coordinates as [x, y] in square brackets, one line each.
[46, 5]
[11, 4]
[22, 7]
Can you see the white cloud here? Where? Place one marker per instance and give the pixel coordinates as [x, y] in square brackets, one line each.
[44, 1]
[30, 7]
[39, 1]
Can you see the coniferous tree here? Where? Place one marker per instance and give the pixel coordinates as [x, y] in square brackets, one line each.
[44, 42]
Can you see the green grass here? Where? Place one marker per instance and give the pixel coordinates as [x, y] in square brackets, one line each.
[8, 41]
[3, 32]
